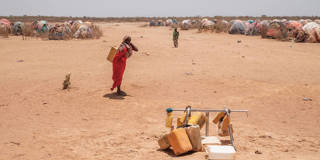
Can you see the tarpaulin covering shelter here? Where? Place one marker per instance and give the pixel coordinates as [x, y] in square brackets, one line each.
[238, 27]
[312, 30]
[18, 28]
[84, 31]
[277, 30]
[4, 21]
[186, 24]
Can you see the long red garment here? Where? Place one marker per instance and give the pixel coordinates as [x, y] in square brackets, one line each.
[119, 65]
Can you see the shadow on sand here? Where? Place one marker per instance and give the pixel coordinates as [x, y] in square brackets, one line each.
[113, 96]
[170, 153]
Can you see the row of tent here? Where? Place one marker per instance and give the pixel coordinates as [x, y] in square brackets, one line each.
[168, 22]
[299, 31]
[67, 30]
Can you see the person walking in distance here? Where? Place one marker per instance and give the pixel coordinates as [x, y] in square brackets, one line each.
[175, 37]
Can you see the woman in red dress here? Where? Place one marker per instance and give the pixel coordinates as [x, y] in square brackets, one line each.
[119, 63]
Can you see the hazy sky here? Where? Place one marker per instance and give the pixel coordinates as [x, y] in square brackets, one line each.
[129, 8]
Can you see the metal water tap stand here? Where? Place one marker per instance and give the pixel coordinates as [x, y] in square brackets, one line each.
[188, 111]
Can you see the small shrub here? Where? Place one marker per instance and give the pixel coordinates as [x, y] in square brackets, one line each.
[4, 31]
[66, 83]
[28, 30]
[96, 32]
[220, 27]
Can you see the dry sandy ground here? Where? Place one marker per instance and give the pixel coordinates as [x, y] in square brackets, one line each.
[39, 121]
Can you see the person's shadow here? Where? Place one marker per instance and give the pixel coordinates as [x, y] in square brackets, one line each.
[114, 96]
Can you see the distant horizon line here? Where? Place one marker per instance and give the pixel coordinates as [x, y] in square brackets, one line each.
[143, 16]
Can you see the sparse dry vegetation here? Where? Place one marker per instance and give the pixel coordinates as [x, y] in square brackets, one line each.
[4, 32]
[66, 83]
[221, 27]
[28, 30]
[96, 32]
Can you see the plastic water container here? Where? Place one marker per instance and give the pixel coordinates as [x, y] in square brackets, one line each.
[193, 133]
[164, 142]
[111, 54]
[210, 140]
[179, 141]
[220, 152]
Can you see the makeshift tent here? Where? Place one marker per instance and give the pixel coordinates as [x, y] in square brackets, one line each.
[5, 26]
[18, 28]
[4, 21]
[277, 30]
[84, 31]
[186, 24]
[238, 27]
[169, 22]
[312, 30]
[59, 32]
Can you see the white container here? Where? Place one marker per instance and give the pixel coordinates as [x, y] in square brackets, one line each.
[210, 140]
[220, 152]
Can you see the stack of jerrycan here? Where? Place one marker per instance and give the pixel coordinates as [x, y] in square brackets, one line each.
[186, 137]
[182, 140]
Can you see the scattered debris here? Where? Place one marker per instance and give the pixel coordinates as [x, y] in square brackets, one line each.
[66, 83]
[3, 105]
[131, 150]
[18, 155]
[239, 41]
[188, 73]
[16, 143]
[258, 152]
[307, 99]
[265, 136]
[193, 63]
[146, 53]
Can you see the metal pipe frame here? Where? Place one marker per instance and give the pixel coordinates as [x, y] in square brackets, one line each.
[207, 111]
